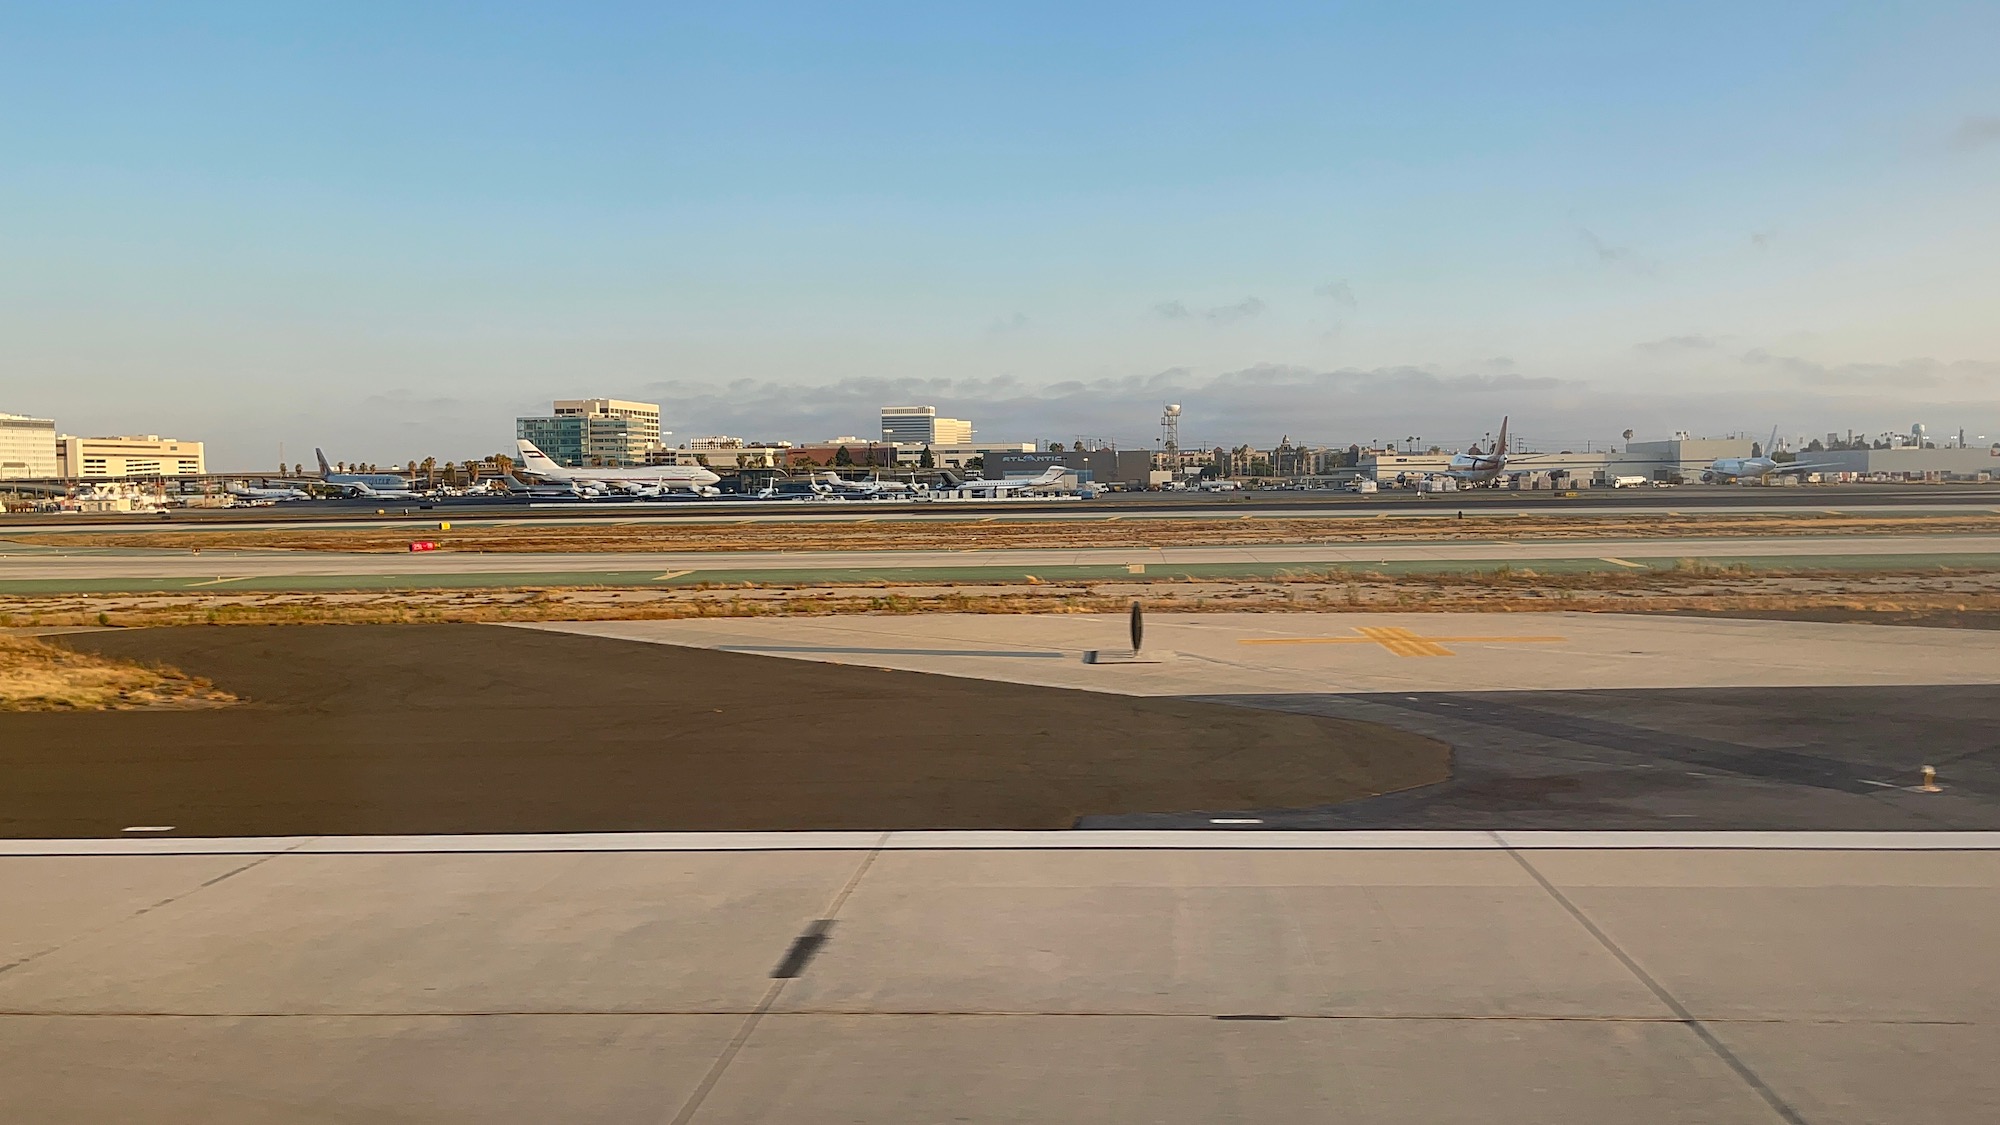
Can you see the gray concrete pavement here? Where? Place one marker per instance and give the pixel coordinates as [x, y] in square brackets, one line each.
[1343, 653]
[1697, 985]
[41, 564]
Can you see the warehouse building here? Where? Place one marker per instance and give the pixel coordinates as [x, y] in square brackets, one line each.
[1130, 468]
[1910, 463]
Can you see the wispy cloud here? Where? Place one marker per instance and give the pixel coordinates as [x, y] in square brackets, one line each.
[1008, 325]
[1976, 132]
[1918, 374]
[1226, 407]
[1339, 292]
[1674, 345]
[1763, 237]
[1619, 257]
[1230, 314]
[1221, 314]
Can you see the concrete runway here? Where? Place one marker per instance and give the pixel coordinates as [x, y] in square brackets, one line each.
[49, 570]
[1496, 985]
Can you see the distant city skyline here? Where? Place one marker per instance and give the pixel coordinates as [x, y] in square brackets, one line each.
[389, 231]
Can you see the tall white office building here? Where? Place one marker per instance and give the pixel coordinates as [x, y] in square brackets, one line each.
[27, 447]
[920, 425]
[607, 431]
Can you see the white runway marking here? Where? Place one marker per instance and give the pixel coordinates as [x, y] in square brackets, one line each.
[1038, 840]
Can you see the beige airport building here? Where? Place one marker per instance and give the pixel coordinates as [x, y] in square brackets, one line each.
[150, 455]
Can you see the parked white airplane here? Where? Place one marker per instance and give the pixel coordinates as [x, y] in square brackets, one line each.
[1481, 468]
[372, 486]
[1729, 470]
[842, 486]
[636, 480]
[243, 491]
[1050, 477]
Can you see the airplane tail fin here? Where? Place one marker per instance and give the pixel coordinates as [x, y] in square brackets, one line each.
[1771, 447]
[324, 468]
[533, 460]
[1500, 443]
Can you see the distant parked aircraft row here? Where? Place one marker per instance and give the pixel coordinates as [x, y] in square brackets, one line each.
[1473, 467]
[1491, 468]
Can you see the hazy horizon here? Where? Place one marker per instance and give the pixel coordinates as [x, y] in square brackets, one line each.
[388, 230]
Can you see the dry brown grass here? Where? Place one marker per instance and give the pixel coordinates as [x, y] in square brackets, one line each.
[892, 533]
[38, 676]
[1926, 591]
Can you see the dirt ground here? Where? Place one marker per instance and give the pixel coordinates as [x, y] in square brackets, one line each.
[891, 533]
[464, 728]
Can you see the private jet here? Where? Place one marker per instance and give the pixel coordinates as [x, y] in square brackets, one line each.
[995, 489]
[864, 489]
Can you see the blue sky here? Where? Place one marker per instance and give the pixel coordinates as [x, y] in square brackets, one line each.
[387, 229]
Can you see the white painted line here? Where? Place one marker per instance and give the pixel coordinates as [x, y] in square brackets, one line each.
[1229, 820]
[1050, 840]
[1623, 562]
[670, 575]
[1760, 841]
[603, 842]
[151, 828]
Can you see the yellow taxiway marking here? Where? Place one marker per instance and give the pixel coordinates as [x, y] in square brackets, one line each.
[219, 581]
[670, 574]
[1400, 641]
[1623, 562]
[1135, 568]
